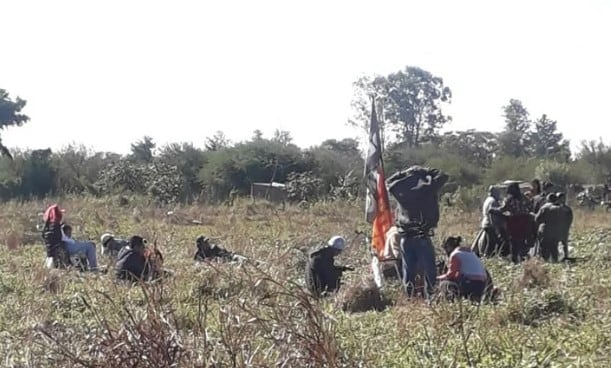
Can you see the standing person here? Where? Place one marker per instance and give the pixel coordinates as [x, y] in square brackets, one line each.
[567, 217]
[416, 190]
[550, 219]
[540, 199]
[487, 240]
[322, 275]
[74, 247]
[519, 221]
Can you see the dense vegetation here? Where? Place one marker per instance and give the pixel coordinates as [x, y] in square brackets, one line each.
[411, 103]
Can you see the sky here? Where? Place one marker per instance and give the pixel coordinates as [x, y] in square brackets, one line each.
[106, 73]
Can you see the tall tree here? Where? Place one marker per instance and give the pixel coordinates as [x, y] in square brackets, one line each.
[283, 137]
[10, 115]
[411, 102]
[546, 140]
[514, 140]
[217, 142]
[142, 151]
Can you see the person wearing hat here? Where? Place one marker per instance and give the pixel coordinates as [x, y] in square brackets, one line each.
[132, 264]
[207, 251]
[550, 221]
[111, 246]
[322, 275]
[540, 199]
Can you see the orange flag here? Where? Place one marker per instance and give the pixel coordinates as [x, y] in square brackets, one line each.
[377, 208]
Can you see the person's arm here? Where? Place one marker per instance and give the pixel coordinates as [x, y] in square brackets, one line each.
[66, 239]
[453, 270]
[439, 178]
[540, 216]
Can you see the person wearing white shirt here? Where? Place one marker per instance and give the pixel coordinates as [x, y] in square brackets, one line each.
[74, 247]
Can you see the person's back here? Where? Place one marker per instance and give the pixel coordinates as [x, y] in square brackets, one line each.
[470, 265]
[551, 218]
[322, 275]
[416, 190]
[131, 262]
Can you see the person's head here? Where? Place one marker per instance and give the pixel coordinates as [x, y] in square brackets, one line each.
[451, 243]
[561, 197]
[54, 214]
[536, 186]
[203, 243]
[106, 238]
[513, 190]
[67, 229]
[494, 192]
[528, 194]
[337, 244]
[552, 198]
[547, 186]
[137, 243]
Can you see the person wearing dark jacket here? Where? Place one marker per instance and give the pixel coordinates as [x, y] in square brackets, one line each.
[416, 190]
[208, 252]
[322, 275]
[132, 264]
[52, 236]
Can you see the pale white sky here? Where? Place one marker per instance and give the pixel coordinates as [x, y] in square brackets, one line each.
[105, 73]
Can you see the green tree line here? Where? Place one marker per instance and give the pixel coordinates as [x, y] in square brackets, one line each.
[410, 104]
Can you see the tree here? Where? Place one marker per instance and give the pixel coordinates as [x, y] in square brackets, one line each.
[283, 137]
[411, 102]
[217, 142]
[473, 146]
[514, 139]
[547, 141]
[257, 135]
[189, 160]
[10, 115]
[142, 151]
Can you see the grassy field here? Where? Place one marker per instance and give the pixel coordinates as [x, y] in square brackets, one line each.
[551, 315]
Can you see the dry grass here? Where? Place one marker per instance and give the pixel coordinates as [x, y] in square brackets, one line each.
[228, 315]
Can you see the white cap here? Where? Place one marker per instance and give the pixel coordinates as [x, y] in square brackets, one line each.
[104, 238]
[337, 242]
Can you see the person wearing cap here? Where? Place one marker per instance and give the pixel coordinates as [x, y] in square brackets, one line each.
[111, 246]
[75, 247]
[132, 264]
[208, 252]
[567, 216]
[550, 221]
[322, 275]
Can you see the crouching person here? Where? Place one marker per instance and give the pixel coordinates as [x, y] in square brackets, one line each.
[111, 246]
[208, 252]
[466, 276]
[132, 263]
[322, 275]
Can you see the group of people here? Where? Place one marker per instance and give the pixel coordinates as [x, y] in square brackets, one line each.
[537, 220]
[416, 192]
[134, 260]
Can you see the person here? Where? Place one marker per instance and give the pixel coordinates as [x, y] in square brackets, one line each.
[488, 240]
[466, 275]
[207, 251]
[111, 246]
[322, 275]
[566, 224]
[519, 221]
[57, 255]
[550, 220]
[132, 264]
[74, 247]
[416, 190]
[540, 199]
